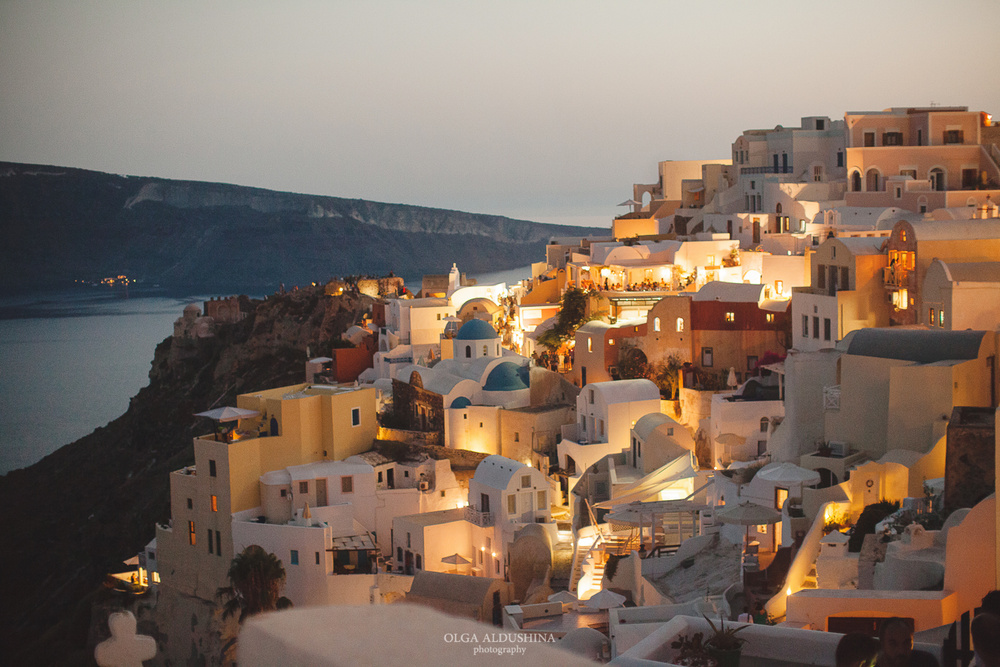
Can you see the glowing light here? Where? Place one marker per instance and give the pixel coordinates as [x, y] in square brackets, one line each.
[789, 591]
[494, 554]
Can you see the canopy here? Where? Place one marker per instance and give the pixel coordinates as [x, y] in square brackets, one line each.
[630, 202]
[605, 599]
[730, 439]
[563, 596]
[134, 560]
[747, 514]
[227, 414]
[678, 469]
[455, 559]
[788, 473]
[639, 513]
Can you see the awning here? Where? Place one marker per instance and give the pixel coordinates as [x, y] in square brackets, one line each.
[680, 468]
[228, 414]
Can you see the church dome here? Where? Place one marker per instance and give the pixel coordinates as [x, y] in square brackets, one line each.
[505, 377]
[476, 330]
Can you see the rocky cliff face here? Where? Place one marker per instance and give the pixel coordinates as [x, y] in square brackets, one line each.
[75, 515]
[63, 224]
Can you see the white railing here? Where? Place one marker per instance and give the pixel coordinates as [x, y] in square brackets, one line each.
[831, 397]
[481, 519]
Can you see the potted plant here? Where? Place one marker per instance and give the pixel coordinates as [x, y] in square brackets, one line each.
[692, 652]
[723, 644]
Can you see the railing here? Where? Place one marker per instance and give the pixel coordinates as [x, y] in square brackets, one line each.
[766, 170]
[894, 276]
[481, 519]
[831, 397]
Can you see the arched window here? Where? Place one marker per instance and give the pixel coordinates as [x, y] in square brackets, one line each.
[856, 181]
[777, 208]
[468, 351]
[763, 424]
[872, 181]
[656, 324]
[680, 324]
[937, 179]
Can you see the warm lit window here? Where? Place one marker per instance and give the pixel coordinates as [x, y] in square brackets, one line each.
[590, 344]
[779, 286]
[730, 316]
[215, 499]
[680, 325]
[941, 318]
[902, 235]
[931, 318]
[191, 535]
[770, 317]
[611, 341]
[656, 324]
[347, 484]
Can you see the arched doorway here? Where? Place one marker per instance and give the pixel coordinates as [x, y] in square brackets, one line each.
[872, 181]
[937, 179]
[856, 181]
[274, 426]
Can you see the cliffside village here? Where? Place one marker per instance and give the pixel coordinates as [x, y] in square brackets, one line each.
[770, 390]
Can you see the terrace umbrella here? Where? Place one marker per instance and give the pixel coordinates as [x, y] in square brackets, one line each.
[789, 473]
[456, 560]
[630, 202]
[748, 514]
[605, 599]
[227, 414]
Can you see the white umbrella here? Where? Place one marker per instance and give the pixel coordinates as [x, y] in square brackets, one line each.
[227, 414]
[747, 514]
[789, 473]
[564, 597]
[605, 599]
[455, 559]
[730, 439]
[731, 380]
[134, 560]
[630, 202]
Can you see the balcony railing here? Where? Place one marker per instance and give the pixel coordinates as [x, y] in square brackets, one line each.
[482, 519]
[831, 397]
[895, 277]
[766, 170]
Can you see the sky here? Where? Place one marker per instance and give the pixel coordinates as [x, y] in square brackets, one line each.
[541, 110]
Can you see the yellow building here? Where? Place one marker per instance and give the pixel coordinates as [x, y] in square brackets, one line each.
[292, 426]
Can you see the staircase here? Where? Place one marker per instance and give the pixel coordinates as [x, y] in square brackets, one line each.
[810, 579]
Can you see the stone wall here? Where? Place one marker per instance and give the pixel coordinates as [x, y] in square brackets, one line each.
[423, 438]
[969, 469]
[376, 287]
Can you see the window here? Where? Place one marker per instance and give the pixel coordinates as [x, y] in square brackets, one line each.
[769, 317]
[805, 326]
[611, 342]
[211, 550]
[763, 424]
[406, 473]
[542, 501]
[902, 235]
[706, 357]
[816, 328]
[484, 350]
[869, 139]
[953, 136]
[512, 504]
[355, 416]
[215, 503]
[590, 344]
[399, 555]
[941, 317]
[931, 318]
[295, 556]
[845, 278]
[517, 436]
[826, 328]
[751, 362]
[680, 325]
[840, 158]
[218, 543]
[730, 316]
[892, 138]
[191, 536]
[347, 484]
[379, 476]
[420, 564]
[439, 316]
[284, 493]
[591, 396]
[465, 415]
[820, 123]
[670, 430]
[856, 181]
[317, 553]
[779, 286]
[656, 324]
[600, 427]
[190, 504]
[303, 487]
[821, 276]
[468, 351]
[497, 563]
[211, 467]
[409, 544]
[525, 481]
[898, 192]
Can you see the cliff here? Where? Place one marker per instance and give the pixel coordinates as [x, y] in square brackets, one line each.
[74, 516]
[63, 224]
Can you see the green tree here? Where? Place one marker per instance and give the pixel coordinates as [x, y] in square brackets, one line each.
[256, 578]
[666, 376]
[632, 362]
[572, 314]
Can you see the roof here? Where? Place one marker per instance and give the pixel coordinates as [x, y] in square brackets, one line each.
[457, 587]
[966, 230]
[648, 423]
[922, 346]
[718, 290]
[435, 518]
[626, 391]
[476, 330]
[432, 379]
[495, 471]
[594, 327]
[863, 245]
[506, 376]
[972, 272]
[319, 469]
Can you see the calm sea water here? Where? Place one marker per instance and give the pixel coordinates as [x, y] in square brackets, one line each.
[70, 361]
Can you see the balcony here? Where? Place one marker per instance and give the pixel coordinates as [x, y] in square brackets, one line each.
[482, 519]
[895, 277]
[831, 398]
[787, 169]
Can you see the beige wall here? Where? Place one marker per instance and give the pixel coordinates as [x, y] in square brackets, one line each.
[970, 566]
[658, 346]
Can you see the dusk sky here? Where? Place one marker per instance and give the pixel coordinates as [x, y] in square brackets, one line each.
[539, 110]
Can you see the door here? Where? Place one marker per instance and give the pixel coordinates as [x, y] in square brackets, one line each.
[408, 567]
[756, 230]
[390, 478]
[524, 507]
[583, 376]
[484, 503]
[497, 609]
[321, 492]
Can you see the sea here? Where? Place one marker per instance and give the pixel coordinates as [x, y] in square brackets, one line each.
[70, 360]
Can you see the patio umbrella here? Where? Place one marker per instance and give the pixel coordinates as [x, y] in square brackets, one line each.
[789, 473]
[134, 560]
[748, 514]
[564, 597]
[455, 559]
[227, 414]
[730, 439]
[731, 380]
[630, 202]
[605, 599]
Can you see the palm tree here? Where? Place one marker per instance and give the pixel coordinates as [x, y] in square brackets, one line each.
[256, 578]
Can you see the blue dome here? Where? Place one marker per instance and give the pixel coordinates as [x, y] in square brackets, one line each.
[476, 330]
[461, 402]
[505, 377]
